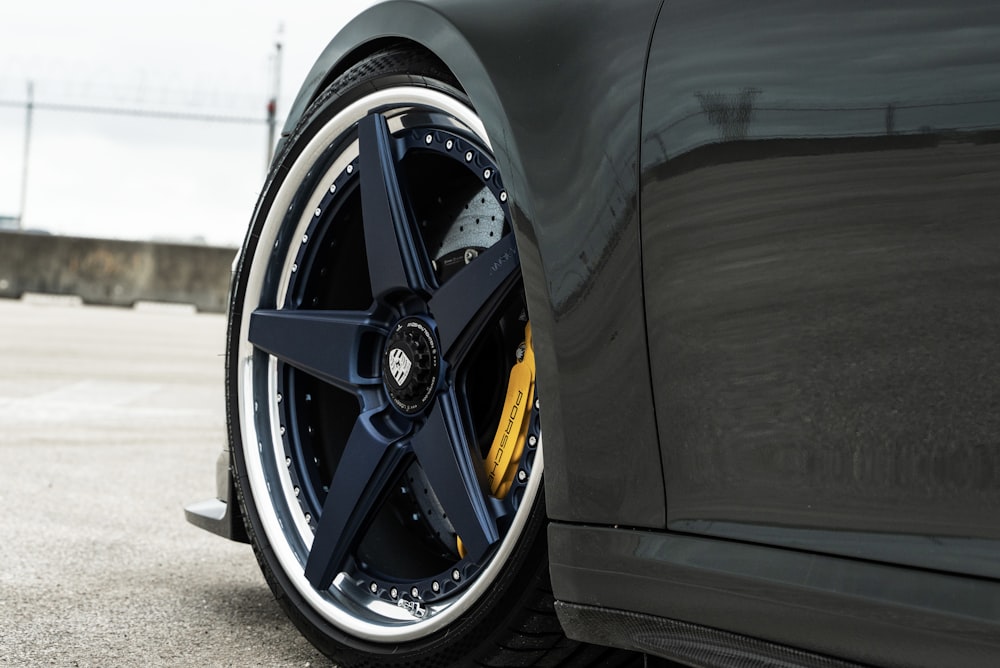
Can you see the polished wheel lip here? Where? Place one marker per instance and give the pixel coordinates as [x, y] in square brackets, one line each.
[351, 614]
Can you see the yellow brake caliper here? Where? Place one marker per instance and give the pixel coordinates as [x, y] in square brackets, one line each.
[508, 444]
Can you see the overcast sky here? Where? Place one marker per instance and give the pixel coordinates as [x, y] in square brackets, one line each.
[141, 178]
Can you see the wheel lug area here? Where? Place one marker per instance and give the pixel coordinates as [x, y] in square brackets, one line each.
[411, 364]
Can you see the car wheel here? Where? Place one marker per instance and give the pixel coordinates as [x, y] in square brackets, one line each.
[380, 376]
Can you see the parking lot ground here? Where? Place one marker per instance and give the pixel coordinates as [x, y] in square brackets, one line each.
[110, 422]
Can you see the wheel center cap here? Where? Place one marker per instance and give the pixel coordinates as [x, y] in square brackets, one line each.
[410, 365]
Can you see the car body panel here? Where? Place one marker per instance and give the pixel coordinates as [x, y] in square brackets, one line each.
[820, 241]
[819, 238]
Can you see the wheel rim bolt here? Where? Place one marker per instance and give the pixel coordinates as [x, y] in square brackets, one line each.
[449, 144]
[532, 440]
[394, 592]
[373, 587]
[487, 173]
[414, 592]
[435, 586]
[456, 575]
[297, 491]
[503, 196]
[468, 156]
[522, 475]
[288, 461]
[350, 169]
[428, 139]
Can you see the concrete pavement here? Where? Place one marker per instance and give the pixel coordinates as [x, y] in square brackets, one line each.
[110, 421]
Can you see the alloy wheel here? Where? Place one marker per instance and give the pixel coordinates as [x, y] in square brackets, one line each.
[384, 371]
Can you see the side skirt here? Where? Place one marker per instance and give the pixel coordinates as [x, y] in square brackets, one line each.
[679, 641]
[862, 611]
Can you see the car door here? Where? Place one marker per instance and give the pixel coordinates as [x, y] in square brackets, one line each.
[821, 263]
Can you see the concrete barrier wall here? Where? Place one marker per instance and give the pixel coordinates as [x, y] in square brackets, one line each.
[118, 273]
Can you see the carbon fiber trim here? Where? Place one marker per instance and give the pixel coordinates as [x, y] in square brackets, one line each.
[693, 645]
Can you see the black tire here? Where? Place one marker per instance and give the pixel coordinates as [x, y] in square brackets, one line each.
[371, 340]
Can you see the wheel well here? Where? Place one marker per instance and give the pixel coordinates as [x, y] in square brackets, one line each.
[368, 48]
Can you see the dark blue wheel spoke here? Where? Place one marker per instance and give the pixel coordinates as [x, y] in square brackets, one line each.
[370, 463]
[396, 257]
[476, 289]
[442, 448]
[325, 344]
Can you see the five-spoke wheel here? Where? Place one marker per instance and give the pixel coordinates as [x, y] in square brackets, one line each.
[383, 421]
